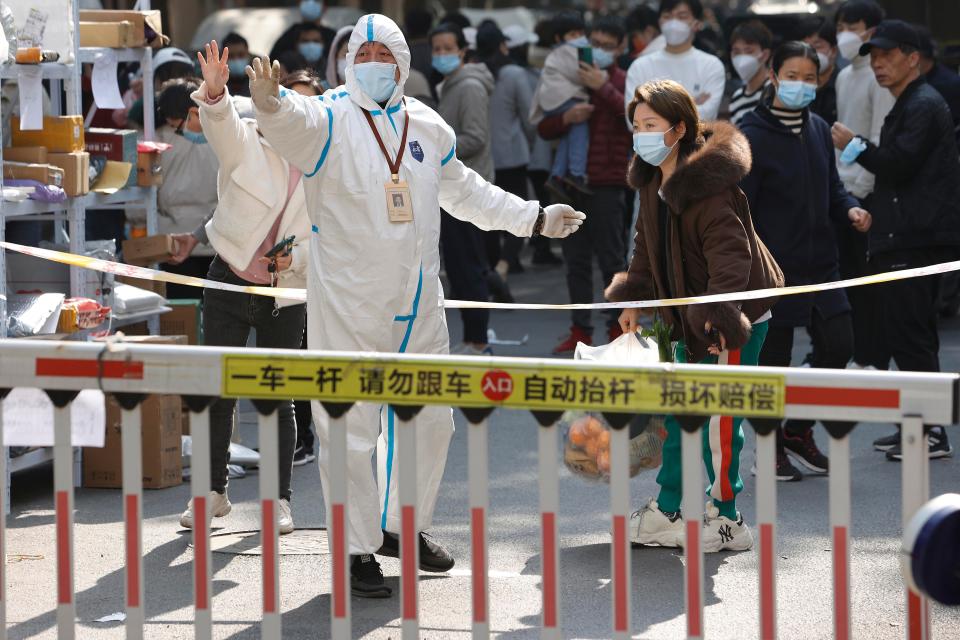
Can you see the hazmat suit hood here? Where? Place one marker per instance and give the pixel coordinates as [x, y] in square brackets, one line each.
[377, 28]
[331, 71]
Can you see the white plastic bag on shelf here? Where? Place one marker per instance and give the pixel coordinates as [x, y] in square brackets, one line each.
[586, 450]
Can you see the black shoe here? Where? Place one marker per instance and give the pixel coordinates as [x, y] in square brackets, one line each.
[558, 191]
[433, 557]
[515, 268]
[302, 456]
[786, 472]
[886, 443]
[499, 291]
[804, 450]
[937, 446]
[546, 257]
[366, 578]
[579, 184]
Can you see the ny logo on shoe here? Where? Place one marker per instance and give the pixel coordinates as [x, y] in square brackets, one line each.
[726, 533]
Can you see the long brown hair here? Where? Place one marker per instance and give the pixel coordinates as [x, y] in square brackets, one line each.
[671, 102]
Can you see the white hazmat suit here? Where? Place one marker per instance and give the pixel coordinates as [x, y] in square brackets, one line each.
[374, 285]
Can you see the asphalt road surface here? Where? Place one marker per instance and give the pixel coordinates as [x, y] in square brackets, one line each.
[804, 569]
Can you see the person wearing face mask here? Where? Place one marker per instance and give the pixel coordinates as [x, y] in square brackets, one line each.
[337, 60]
[188, 194]
[862, 105]
[916, 204]
[798, 202]
[604, 235]
[261, 202]
[701, 74]
[373, 282]
[750, 48]
[310, 45]
[695, 236]
[311, 16]
[237, 64]
[821, 34]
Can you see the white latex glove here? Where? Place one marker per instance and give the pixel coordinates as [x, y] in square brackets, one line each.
[561, 220]
[265, 84]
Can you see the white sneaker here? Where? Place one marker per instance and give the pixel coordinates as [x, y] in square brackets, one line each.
[286, 518]
[649, 526]
[723, 534]
[218, 504]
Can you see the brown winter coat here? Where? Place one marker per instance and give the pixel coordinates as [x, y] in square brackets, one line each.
[713, 245]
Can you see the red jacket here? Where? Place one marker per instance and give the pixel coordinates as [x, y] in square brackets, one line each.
[610, 141]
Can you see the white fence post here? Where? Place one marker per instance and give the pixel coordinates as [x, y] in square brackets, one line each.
[409, 538]
[337, 527]
[200, 489]
[916, 489]
[767, 525]
[3, 520]
[132, 452]
[693, 500]
[840, 521]
[549, 542]
[63, 490]
[620, 517]
[477, 472]
[269, 536]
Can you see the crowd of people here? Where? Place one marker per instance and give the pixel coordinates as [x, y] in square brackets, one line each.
[793, 158]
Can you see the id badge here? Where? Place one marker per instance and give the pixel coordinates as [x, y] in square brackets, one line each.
[399, 204]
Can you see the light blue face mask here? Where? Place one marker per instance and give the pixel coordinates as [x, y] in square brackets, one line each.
[311, 10]
[446, 64]
[237, 67]
[795, 94]
[651, 148]
[194, 137]
[311, 51]
[377, 79]
[579, 43]
[602, 58]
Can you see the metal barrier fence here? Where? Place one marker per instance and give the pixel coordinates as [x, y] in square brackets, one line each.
[477, 386]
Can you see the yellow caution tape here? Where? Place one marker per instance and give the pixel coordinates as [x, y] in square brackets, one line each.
[547, 387]
[107, 266]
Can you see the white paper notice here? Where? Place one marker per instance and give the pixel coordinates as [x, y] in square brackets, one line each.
[30, 79]
[28, 419]
[106, 92]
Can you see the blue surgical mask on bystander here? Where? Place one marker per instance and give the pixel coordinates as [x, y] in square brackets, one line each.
[795, 94]
[311, 51]
[446, 64]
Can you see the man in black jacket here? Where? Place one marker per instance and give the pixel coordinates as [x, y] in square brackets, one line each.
[915, 207]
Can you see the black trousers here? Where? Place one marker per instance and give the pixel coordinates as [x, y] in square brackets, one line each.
[465, 261]
[602, 235]
[228, 318]
[832, 348]
[195, 266]
[503, 245]
[304, 413]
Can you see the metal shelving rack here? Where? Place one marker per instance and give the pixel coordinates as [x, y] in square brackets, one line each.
[67, 77]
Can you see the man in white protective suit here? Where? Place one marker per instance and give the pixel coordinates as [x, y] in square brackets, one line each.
[377, 168]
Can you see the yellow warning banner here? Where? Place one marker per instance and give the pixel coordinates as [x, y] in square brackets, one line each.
[514, 386]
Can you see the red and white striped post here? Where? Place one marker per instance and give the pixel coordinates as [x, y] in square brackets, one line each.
[692, 459]
[477, 463]
[550, 544]
[409, 540]
[269, 517]
[200, 489]
[840, 521]
[767, 525]
[63, 498]
[339, 545]
[131, 450]
[620, 515]
[916, 490]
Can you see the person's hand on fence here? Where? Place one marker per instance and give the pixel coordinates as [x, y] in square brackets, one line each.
[265, 84]
[561, 220]
[861, 219]
[184, 244]
[214, 69]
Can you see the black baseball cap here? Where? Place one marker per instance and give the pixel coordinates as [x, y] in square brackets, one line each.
[489, 38]
[891, 34]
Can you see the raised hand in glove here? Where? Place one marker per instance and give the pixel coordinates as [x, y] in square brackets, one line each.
[560, 220]
[265, 84]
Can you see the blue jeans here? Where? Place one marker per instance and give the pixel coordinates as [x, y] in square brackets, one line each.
[571, 158]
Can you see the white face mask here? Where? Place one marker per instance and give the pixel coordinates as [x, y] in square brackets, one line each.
[849, 43]
[746, 66]
[675, 32]
[824, 61]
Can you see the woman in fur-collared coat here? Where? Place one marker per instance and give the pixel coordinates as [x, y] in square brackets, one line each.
[695, 237]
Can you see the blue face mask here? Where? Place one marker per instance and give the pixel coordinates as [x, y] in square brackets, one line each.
[795, 94]
[237, 68]
[446, 64]
[579, 43]
[192, 136]
[602, 58]
[377, 79]
[311, 51]
[651, 148]
[311, 10]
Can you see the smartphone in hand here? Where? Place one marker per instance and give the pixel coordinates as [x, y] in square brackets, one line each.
[585, 55]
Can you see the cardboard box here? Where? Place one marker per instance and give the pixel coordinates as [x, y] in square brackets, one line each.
[149, 169]
[60, 134]
[119, 145]
[161, 447]
[150, 285]
[120, 34]
[33, 155]
[142, 251]
[145, 27]
[76, 171]
[183, 320]
[43, 173]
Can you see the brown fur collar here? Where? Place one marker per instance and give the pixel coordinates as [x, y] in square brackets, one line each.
[722, 161]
